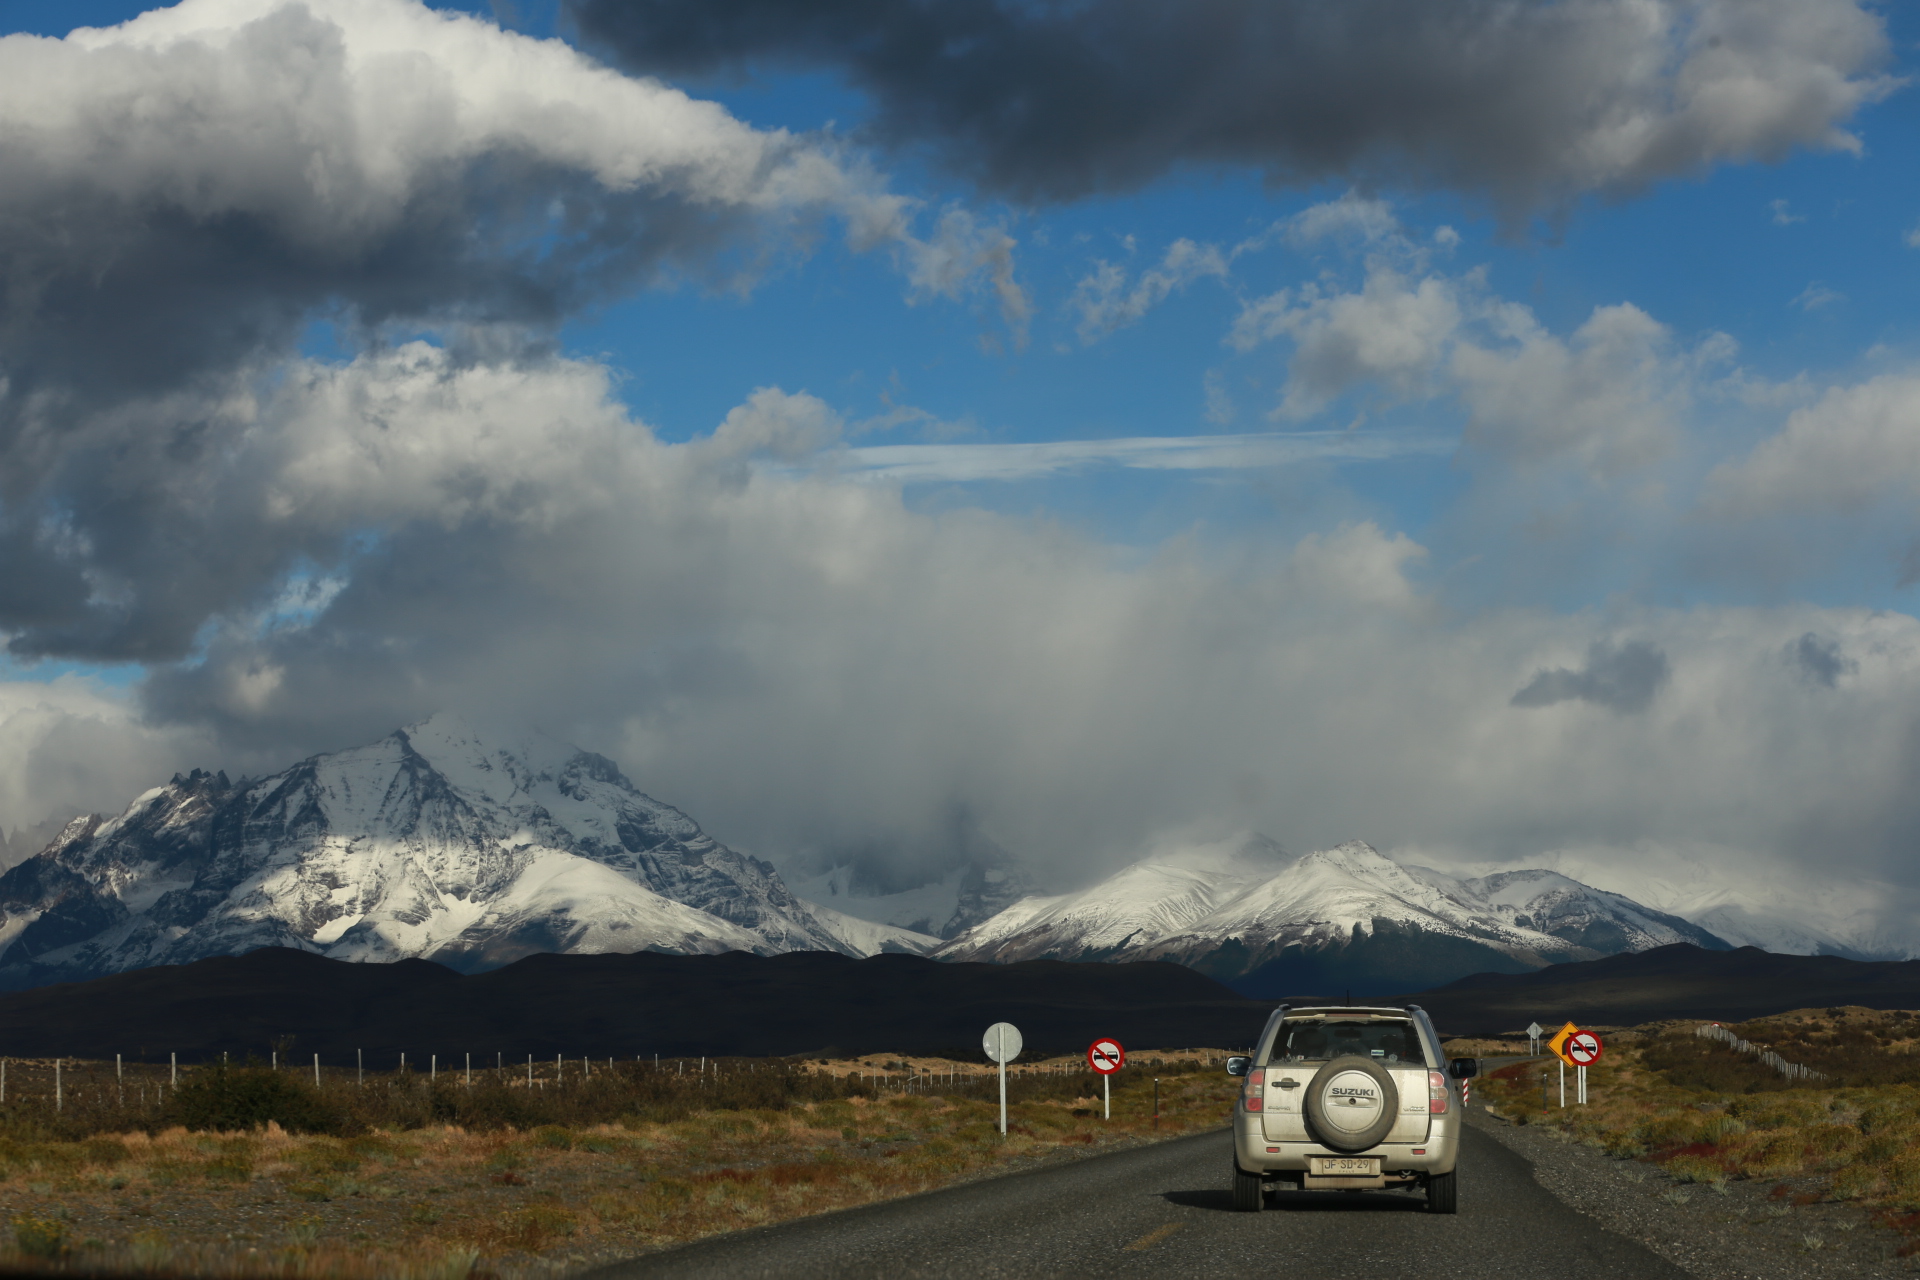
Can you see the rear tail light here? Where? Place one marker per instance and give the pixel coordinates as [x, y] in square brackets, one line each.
[1436, 1093]
[1256, 1091]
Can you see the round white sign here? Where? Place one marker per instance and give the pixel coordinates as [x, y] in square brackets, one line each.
[1002, 1042]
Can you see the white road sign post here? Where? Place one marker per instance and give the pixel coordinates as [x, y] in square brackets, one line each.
[1584, 1048]
[1534, 1032]
[1106, 1057]
[1003, 1044]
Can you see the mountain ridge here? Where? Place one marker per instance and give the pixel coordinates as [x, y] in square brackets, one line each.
[1350, 918]
[620, 1005]
[429, 842]
[478, 851]
[1677, 981]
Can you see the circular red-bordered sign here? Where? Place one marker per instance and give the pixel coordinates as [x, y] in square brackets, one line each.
[1106, 1056]
[1584, 1048]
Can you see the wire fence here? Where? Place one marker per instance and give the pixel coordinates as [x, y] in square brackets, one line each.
[1789, 1070]
[66, 1097]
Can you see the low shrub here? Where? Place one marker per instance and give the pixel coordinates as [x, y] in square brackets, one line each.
[40, 1237]
[230, 1099]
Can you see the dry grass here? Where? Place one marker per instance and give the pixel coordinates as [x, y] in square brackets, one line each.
[447, 1200]
[1711, 1116]
[1468, 1047]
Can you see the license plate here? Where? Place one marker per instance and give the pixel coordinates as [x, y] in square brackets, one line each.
[1343, 1167]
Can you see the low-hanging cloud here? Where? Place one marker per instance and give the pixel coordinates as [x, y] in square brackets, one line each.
[807, 663]
[1528, 103]
[758, 623]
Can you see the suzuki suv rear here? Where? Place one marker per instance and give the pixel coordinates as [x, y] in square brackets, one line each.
[1347, 1099]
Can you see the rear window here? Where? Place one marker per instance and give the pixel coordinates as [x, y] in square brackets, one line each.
[1393, 1042]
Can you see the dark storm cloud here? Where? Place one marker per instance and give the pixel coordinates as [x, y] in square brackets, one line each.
[1623, 679]
[181, 197]
[1524, 102]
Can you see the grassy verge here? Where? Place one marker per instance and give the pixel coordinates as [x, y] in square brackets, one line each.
[537, 1179]
[1710, 1116]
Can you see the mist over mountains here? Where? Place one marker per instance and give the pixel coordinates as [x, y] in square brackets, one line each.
[475, 850]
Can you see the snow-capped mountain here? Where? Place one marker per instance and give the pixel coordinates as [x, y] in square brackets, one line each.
[1345, 918]
[27, 841]
[1136, 907]
[432, 842]
[1776, 906]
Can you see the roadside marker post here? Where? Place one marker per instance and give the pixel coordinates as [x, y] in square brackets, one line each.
[1534, 1032]
[1559, 1046]
[1002, 1044]
[1106, 1057]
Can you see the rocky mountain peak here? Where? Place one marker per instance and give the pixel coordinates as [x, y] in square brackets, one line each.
[436, 841]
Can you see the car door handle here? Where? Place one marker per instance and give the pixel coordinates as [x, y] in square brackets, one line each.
[1288, 1084]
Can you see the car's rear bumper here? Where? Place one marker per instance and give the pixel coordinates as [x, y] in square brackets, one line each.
[1254, 1152]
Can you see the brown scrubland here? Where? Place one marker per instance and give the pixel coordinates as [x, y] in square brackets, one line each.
[248, 1170]
[1711, 1116]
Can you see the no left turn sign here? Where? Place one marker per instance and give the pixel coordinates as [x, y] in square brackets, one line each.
[1583, 1048]
[1106, 1056]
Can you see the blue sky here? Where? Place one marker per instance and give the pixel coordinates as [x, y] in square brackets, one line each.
[1802, 261]
[1376, 427]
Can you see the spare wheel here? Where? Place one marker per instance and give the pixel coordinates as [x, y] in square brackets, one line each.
[1351, 1104]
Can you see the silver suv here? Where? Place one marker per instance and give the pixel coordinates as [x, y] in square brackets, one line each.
[1348, 1098]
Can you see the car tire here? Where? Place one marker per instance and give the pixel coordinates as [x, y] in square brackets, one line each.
[1442, 1194]
[1326, 1115]
[1249, 1195]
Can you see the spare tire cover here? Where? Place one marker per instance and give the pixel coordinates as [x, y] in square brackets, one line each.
[1351, 1104]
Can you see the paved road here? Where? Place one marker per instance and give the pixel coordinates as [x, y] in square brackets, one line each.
[1164, 1211]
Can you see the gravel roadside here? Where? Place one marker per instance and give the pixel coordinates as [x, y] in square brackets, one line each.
[1748, 1231]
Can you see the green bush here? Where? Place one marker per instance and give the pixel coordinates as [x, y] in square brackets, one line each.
[228, 1099]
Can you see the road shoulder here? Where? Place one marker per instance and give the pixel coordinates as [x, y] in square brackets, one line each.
[1741, 1233]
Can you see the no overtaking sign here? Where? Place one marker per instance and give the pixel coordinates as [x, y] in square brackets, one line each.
[1106, 1056]
[1583, 1048]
